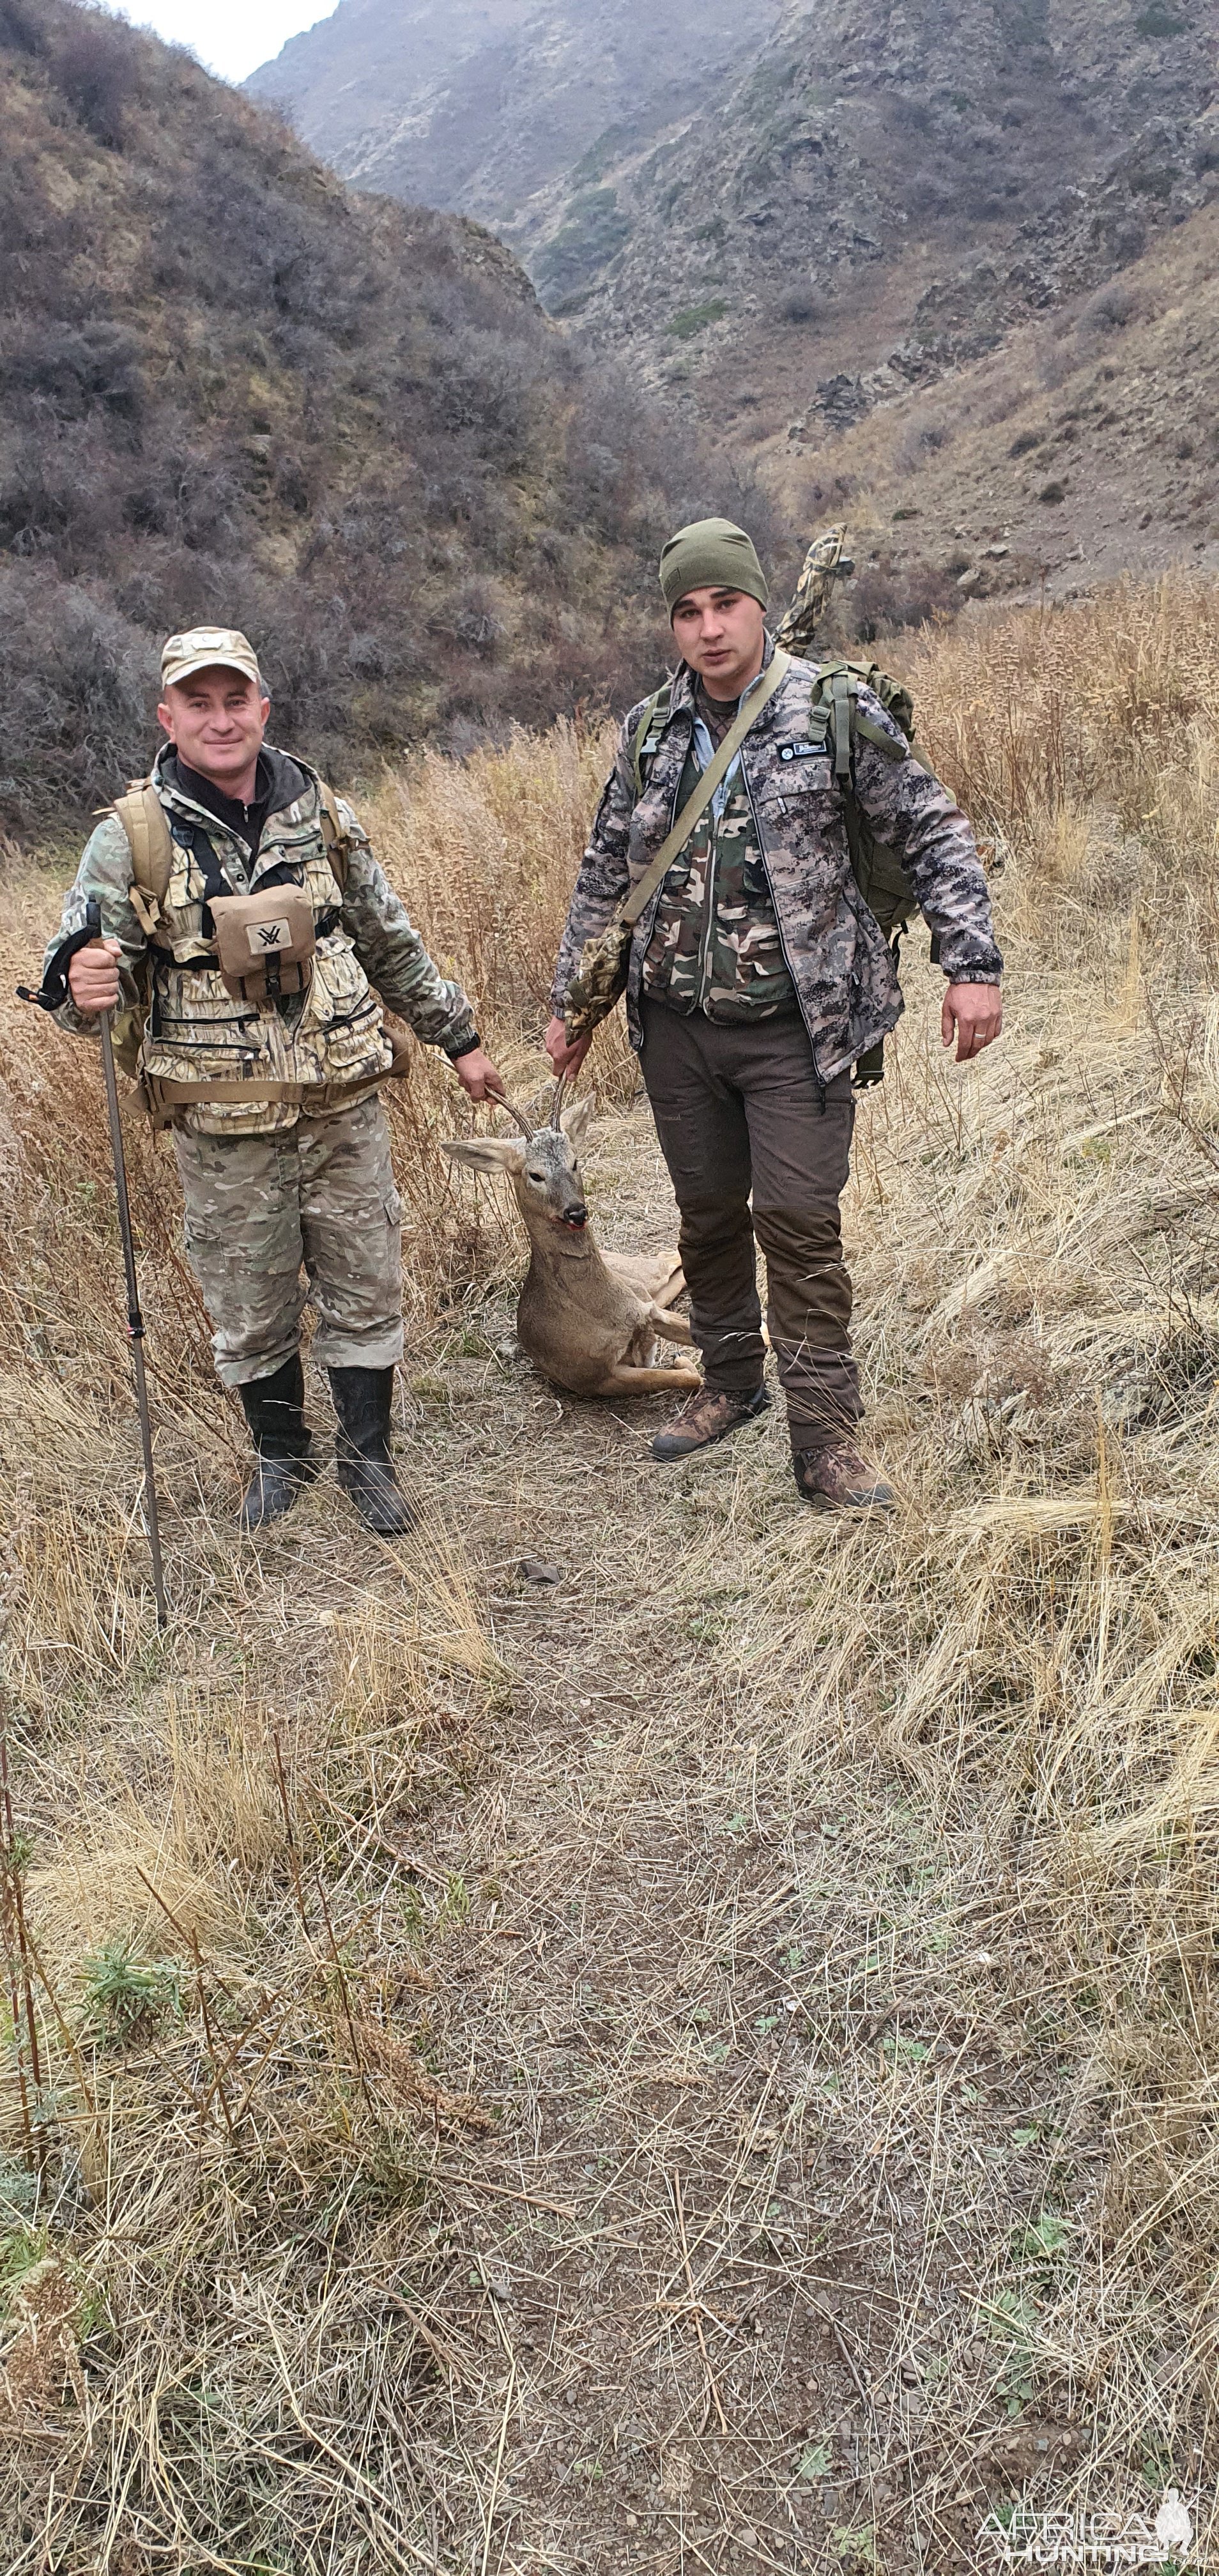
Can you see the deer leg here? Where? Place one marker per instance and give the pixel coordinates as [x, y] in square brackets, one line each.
[671, 1328]
[673, 1289]
[625, 1380]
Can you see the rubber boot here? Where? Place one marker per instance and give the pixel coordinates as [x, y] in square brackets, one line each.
[274, 1407]
[362, 1401]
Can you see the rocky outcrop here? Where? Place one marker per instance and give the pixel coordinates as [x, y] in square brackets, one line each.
[955, 167]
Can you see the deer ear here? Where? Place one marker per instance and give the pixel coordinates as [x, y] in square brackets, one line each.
[574, 1121]
[487, 1153]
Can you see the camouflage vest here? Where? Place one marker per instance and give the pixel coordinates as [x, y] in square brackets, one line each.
[715, 943]
[313, 1050]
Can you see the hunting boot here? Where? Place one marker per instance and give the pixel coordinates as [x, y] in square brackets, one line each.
[274, 1407]
[834, 1478]
[362, 1401]
[706, 1416]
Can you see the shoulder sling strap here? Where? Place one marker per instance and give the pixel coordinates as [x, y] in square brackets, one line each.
[653, 876]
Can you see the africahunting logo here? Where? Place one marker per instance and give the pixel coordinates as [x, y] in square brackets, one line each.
[1026, 2537]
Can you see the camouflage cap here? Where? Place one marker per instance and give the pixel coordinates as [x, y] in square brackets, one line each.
[208, 648]
[711, 554]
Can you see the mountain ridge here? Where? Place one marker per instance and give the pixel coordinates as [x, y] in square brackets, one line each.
[523, 113]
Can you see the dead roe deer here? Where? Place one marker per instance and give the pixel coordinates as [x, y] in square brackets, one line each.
[588, 1319]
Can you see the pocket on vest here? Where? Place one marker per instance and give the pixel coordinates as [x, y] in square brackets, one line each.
[344, 1014]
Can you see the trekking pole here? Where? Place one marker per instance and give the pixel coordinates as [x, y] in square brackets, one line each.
[135, 1320]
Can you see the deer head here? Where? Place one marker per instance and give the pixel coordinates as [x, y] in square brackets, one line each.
[544, 1170]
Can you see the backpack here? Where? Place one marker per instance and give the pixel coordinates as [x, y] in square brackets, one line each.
[836, 723]
[150, 842]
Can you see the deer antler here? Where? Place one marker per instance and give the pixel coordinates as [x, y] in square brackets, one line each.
[555, 1103]
[527, 1131]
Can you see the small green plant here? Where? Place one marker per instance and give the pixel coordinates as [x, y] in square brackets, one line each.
[18, 2190]
[695, 318]
[123, 1994]
[22, 2249]
[855, 2548]
[456, 1900]
[1043, 2238]
[815, 2461]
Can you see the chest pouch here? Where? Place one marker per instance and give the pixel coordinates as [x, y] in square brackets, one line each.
[264, 942]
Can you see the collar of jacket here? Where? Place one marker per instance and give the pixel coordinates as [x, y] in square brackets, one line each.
[293, 794]
[684, 683]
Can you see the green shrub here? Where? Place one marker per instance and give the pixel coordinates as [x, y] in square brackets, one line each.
[123, 1994]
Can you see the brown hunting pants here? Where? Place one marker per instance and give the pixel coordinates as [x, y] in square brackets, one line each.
[738, 1110]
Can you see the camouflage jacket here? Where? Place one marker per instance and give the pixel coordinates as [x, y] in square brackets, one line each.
[194, 1028]
[837, 957]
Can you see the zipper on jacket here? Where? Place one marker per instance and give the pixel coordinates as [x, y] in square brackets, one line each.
[710, 893]
[646, 924]
[782, 942]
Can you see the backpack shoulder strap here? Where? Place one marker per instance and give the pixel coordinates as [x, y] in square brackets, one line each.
[651, 725]
[142, 816]
[833, 714]
[835, 717]
[335, 835]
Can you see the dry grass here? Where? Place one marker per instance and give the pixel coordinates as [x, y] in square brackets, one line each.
[707, 2063]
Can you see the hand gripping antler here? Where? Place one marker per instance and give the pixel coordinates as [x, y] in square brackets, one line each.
[502, 1102]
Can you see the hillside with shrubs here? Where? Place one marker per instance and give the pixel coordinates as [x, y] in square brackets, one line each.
[883, 256]
[230, 389]
[521, 113]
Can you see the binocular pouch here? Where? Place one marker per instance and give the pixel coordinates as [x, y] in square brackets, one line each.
[264, 942]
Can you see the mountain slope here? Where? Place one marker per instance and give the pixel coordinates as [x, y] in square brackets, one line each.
[229, 389]
[528, 114]
[874, 237]
[913, 183]
[1083, 448]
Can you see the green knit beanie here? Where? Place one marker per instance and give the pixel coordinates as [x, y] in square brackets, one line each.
[711, 554]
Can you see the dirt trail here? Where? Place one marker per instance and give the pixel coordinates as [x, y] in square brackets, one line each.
[726, 2261]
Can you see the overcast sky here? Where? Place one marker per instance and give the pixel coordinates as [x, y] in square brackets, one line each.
[231, 36]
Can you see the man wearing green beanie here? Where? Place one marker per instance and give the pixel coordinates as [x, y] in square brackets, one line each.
[755, 978]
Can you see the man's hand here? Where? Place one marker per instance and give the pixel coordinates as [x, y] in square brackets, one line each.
[973, 1014]
[565, 1058]
[478, 1076]
[93, 976]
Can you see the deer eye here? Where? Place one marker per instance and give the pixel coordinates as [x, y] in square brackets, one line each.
[535, 1176]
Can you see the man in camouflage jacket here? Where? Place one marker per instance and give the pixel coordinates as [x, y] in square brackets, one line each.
[281, 1140]
[757, 978]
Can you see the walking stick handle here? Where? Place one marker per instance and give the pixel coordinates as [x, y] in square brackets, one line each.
[135, 1320]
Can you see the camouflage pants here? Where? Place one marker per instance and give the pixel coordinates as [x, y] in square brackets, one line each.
[317, 1197]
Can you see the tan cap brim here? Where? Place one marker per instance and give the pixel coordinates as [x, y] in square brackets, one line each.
[212, 662]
